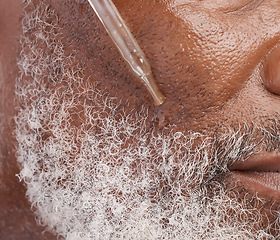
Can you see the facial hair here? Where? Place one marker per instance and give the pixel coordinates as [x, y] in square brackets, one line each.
[95, 171]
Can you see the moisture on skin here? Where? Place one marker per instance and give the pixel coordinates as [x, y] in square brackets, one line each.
[215, 61]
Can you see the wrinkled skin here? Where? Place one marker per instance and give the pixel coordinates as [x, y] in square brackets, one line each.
[215, 61]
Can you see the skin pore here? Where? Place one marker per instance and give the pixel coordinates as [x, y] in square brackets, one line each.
[98, 159]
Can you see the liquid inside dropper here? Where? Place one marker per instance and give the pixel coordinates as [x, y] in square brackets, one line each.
[127, 45]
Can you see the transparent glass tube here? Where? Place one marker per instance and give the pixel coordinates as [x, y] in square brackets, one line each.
[127, 45]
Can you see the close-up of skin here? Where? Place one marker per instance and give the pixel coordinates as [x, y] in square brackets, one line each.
[86, 154]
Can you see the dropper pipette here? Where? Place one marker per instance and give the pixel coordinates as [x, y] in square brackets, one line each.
[127, 45]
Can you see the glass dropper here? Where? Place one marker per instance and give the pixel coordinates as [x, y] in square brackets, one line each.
[127, 45]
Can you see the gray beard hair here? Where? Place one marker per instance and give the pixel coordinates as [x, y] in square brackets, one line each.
[110, 176]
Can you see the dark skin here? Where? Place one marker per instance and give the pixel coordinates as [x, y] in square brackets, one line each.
[215, 61]
[17, 220]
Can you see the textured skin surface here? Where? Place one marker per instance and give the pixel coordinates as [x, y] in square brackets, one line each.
[205, 58]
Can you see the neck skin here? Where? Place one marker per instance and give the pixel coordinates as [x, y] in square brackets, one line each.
[17, 220]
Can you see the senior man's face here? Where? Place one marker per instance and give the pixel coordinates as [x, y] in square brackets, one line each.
[100, 161]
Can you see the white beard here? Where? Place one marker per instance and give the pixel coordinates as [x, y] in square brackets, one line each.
[111, 177]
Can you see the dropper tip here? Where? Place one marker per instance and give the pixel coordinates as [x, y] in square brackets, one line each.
[153, 89]
[159, 99]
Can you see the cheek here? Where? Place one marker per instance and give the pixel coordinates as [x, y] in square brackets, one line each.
[200, 59]
[216, 57]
